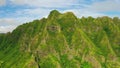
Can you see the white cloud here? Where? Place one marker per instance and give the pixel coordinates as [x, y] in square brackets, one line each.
[35, 12]
[23, 16]
[7, 21]
[4, 29]
[45, 3]
[84, 12]
[42, 8]
[2, 2]
[9, 24]
[107, 5]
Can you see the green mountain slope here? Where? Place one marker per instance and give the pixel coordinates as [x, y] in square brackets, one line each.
[63, 41]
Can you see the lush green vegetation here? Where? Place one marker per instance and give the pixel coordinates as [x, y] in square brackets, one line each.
[63, 41]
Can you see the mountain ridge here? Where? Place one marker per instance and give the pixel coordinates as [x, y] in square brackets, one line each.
[62, 41]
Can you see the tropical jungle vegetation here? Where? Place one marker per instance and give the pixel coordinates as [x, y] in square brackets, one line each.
[62, 41]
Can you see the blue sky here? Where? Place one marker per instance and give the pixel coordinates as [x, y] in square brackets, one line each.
[16, 12]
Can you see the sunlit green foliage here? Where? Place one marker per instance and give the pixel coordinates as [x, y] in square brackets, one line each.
[63, 41]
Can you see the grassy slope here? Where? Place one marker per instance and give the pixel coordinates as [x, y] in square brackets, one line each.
[62, 41]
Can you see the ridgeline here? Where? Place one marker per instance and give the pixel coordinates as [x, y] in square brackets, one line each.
[63, 41]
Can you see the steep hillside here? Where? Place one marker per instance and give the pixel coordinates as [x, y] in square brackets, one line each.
[63, 41]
